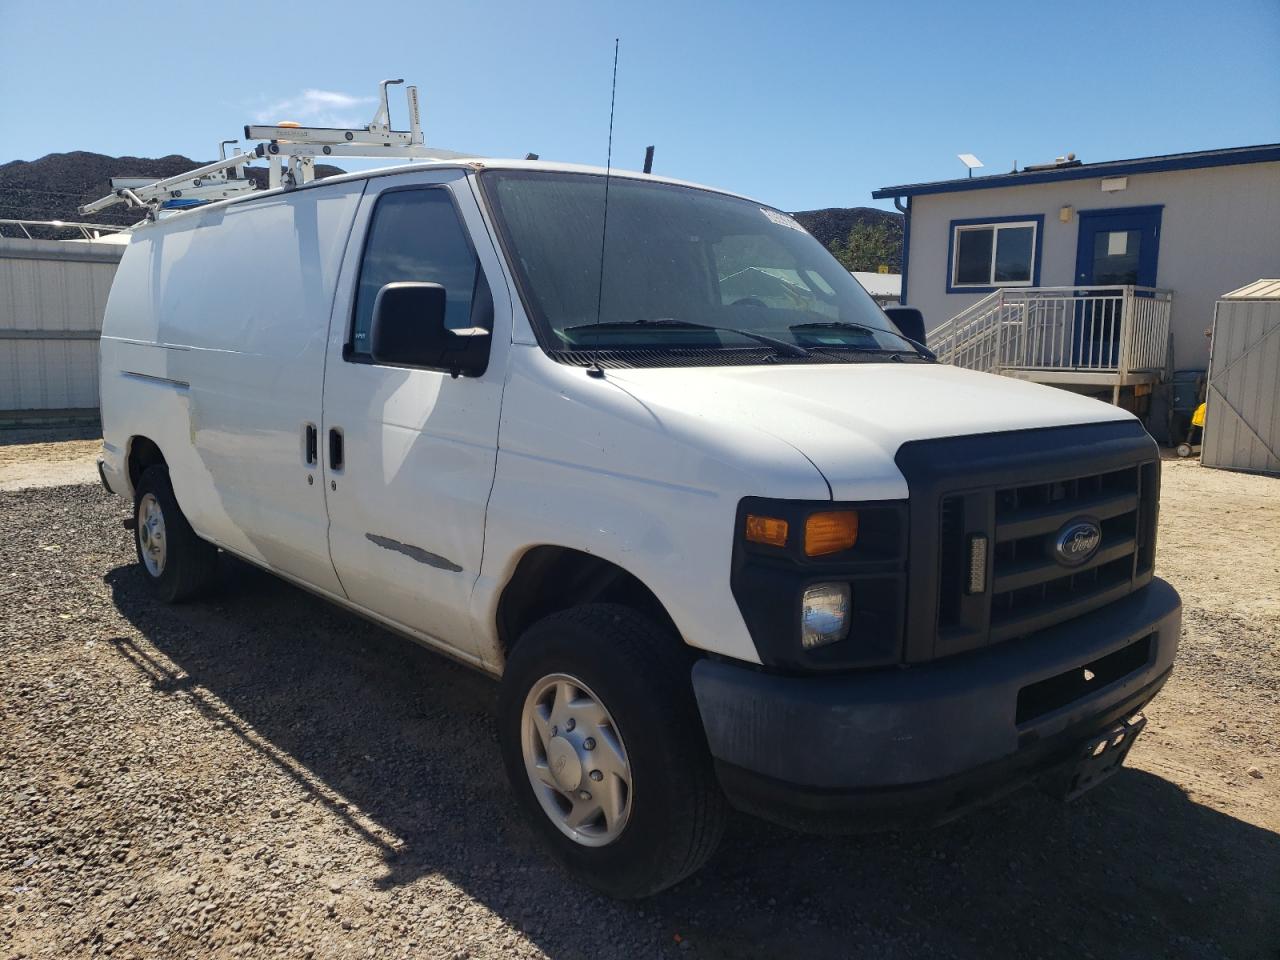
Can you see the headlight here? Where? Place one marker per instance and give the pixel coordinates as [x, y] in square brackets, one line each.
[824, 614]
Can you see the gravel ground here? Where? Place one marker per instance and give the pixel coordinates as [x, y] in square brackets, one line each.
[262, 774]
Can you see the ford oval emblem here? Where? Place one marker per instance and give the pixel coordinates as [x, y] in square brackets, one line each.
[1077, 542]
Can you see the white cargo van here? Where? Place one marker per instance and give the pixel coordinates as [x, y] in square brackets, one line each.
[724, 535]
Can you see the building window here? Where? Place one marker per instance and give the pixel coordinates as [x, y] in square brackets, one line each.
[986, 254]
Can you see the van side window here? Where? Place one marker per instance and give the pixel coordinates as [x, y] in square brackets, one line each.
[416, 235]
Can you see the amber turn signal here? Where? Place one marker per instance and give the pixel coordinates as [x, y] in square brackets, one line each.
[830, 532]
[767, 530]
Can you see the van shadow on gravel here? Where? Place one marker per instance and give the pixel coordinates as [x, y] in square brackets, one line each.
[407, 739]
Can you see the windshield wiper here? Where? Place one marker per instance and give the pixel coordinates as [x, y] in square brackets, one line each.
[917, 347]
[781, 346]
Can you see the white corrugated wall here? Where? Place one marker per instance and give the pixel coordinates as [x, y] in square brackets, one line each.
[52, 298]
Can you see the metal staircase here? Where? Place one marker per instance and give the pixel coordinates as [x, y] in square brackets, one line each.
[972, 338]
[1101, 336]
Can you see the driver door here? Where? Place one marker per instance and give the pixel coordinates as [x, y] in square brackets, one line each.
[410, 453]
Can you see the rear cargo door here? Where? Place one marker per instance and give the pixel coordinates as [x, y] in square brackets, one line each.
[409, 454]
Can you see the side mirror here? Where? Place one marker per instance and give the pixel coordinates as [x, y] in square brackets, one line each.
[409, 330]
[909, 321]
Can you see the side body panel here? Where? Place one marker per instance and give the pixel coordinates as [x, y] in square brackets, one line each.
[213, 347]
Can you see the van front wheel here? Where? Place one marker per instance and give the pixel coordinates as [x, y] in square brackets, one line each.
[177, 564]
[604, 749]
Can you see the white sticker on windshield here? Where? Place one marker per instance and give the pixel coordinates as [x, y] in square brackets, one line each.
[781, 219]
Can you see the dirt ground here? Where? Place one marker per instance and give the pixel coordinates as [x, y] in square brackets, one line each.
[261, 774]
[48, 458]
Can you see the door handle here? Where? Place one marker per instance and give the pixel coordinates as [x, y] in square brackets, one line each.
[335, 448]
[311, 444]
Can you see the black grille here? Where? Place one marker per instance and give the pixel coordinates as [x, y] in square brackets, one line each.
[961, 493]
[952, 562]
[1029, 587]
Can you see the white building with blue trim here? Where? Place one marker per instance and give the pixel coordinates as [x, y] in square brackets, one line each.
[1096, 276]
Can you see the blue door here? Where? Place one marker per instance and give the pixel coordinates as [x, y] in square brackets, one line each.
[1114, 247]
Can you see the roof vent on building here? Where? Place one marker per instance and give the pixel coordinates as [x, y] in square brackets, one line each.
[1058, 163]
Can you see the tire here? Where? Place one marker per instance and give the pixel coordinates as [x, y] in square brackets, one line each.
[640, 675]
[184, 565]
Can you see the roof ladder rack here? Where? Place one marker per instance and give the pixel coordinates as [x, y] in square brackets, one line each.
[290, 150]
[299, 145]
[214, 181]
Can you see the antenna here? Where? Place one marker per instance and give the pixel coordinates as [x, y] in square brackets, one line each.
[970, 161]
[595, 370]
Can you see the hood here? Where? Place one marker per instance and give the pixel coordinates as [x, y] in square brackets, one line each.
[850, 420]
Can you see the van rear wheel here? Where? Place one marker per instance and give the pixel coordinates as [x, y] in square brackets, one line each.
[604, 748]
[176, 563]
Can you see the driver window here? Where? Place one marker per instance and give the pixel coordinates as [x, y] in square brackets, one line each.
[417, 235]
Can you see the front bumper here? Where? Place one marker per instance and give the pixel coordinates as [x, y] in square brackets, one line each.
[920, 744]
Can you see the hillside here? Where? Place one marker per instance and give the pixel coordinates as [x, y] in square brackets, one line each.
[52, 187]
[834, 223]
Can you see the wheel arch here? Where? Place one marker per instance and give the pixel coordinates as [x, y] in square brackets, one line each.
[143, 452]
[550, 578]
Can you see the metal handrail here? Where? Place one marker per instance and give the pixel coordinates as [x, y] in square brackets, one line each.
[1091, 287]
[965, 339]
[946, 328]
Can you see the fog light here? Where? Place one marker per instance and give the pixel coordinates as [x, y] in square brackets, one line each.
[824, 614]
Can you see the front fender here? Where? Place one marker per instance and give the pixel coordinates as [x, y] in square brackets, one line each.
[584, 464]
[677, 542]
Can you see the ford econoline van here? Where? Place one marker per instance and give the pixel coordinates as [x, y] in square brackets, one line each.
[646, 453]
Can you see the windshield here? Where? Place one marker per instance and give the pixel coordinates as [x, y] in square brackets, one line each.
[683, 268]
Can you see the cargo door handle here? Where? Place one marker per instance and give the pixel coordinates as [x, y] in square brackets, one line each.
[335, 449]
[311, 441]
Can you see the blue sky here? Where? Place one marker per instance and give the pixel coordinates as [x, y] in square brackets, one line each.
[804, 104]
